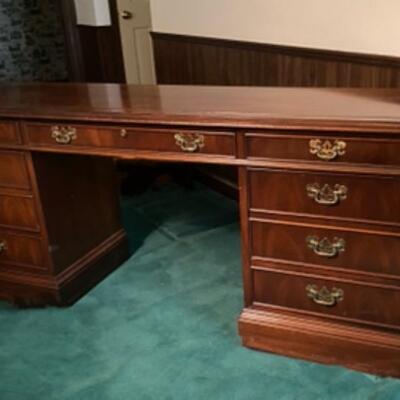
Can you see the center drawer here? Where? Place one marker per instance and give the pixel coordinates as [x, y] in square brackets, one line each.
[353, 197]
[328, 297]
[181, 141]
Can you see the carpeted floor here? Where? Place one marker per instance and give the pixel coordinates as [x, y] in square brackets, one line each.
[163, 326]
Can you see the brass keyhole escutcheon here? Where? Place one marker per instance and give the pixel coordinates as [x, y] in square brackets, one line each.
[123, 133]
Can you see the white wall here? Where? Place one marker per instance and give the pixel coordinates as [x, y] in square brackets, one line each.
[365, 26]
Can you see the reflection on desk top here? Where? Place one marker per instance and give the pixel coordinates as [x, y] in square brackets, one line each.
[239, 107]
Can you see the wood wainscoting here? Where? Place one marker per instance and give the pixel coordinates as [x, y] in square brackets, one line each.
[94, 54]
[190, 60]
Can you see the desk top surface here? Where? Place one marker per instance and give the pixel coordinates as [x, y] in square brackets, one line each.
[225, 107]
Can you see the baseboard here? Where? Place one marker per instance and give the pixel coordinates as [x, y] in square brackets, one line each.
[366, 350]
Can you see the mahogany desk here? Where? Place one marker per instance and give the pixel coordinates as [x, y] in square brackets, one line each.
[319, 177]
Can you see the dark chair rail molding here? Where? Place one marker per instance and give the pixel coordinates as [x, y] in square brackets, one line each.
[182, 59]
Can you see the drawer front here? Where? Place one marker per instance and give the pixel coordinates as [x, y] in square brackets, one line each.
[327, 297]
[356, 197]
[21, 251]
[13, 170]
[18, 212]
[334, 248]
[8, 133]
[324, 149]
[181, 141]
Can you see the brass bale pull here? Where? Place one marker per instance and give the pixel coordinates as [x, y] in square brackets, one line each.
[189, 142]
[326, 150]
[63, 134]
[323, 296]
[324, 247]
[325, 195]
[3, 246]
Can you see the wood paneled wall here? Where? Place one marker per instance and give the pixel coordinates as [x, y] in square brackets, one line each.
[94, 53]
[195, 60]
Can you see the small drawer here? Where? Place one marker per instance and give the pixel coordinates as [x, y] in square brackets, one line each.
[13, 170]
[328, 149]
[352, 197]
[18, 212]
[180, 141]
[21, 251]
[9, 133]
[334, 248]
[327, 297]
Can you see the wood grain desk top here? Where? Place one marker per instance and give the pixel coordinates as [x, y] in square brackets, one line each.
[239, 107]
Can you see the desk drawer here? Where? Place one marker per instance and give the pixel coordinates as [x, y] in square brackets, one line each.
[323, 148]
[328, 297]
[18, 212]
[204, 142]
[353, 197]
[8, 133]
[21, 251]
[13, 170]
[334, 248]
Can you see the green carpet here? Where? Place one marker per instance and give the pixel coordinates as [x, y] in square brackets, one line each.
[163, 326]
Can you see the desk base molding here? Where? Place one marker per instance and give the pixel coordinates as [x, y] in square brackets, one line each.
[366, 350]
[68, 286]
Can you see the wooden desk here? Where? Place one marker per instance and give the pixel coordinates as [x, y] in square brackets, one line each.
[319, 199]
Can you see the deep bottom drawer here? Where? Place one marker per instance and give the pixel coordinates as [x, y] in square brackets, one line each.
[328, 297]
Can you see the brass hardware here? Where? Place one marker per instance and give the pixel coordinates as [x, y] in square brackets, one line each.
[326, 150]
[325, 195]
[323, 296]
[63, 134]
[189, 142]
[3, 246]
[125, 14]
[124, 133]
[324, 247]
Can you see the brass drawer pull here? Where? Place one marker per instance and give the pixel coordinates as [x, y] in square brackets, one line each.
[325, 195]
[3, 246]
[323, 296]
[324, 247]
[63, 134]
[189, 142]
[326, 150]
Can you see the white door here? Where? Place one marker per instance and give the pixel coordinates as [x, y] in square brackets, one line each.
[135, 27]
